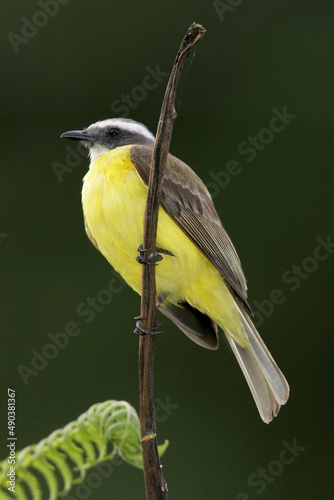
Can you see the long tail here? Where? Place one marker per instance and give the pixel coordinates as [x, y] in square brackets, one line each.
[267, 383]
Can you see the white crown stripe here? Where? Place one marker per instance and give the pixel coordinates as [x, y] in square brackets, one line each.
[130, 126]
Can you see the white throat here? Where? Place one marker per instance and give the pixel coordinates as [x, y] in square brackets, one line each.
[96, 151]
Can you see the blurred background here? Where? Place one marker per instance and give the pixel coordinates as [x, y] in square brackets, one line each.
[79, 62]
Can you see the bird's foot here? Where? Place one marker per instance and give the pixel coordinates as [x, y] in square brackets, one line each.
[144, 259]
[139, 330]
[151, 261]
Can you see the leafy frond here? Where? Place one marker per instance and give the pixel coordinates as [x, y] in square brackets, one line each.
[62, 459]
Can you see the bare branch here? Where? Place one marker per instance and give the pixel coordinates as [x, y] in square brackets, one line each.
[156, 486]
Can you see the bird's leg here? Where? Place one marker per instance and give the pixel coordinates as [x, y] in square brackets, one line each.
[142, 331]
[143, 259]
[139, 330]
[150, 261]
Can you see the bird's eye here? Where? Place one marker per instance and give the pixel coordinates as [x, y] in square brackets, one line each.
[113, 132]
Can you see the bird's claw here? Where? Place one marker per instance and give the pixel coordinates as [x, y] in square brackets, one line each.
[150, 261]
[139, 330]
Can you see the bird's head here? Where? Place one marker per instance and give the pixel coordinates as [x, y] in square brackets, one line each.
[103, 136]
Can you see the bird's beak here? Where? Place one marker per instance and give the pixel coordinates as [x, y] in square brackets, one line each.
[77, 135]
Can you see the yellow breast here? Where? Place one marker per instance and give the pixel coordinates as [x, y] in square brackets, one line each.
[113, 199]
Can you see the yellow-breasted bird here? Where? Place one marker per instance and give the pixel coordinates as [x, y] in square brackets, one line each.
[200, 283]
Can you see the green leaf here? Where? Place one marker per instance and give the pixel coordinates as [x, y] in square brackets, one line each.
[63, 458]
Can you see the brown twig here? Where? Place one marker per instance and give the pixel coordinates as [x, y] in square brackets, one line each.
[156, 486]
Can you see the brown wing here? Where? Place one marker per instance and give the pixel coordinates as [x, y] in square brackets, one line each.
[188, 202]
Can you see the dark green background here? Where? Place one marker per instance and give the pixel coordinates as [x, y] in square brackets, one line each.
[263, 55]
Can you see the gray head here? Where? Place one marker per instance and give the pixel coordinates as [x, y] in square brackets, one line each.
[103, 136]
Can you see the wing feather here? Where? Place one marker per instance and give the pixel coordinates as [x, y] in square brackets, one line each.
[188, 202]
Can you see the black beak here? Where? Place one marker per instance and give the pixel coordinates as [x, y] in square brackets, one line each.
[77, 135]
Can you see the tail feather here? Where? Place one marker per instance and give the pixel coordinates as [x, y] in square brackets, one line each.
[272, 373]
[261, 392]
[267, 383]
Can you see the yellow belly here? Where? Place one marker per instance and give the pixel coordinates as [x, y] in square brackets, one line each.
[113, 199]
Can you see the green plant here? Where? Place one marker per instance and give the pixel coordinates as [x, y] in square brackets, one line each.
[62, 459]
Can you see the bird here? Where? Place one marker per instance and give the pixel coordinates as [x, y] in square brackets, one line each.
[200, 283]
